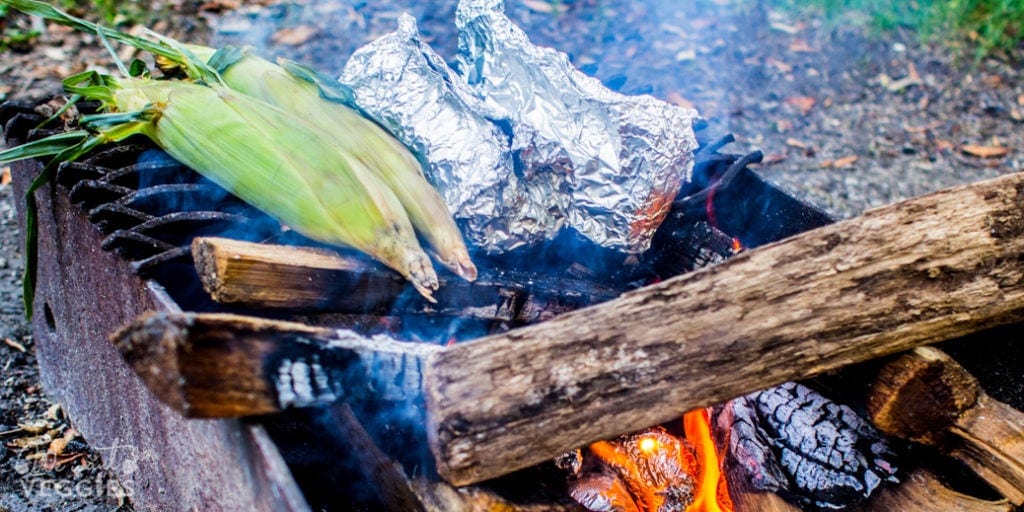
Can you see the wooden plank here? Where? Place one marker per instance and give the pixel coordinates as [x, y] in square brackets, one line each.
[901, 276]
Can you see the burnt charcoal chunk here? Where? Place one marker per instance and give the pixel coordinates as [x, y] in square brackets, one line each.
[793, 441]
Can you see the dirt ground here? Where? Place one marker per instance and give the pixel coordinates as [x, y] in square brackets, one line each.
[846, 120]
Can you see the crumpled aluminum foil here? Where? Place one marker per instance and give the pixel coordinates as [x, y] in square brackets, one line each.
[401, 83]
[523, 143]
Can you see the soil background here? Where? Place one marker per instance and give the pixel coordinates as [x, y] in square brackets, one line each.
[847, 120]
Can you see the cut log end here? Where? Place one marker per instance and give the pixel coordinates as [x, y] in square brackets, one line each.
[919, 395]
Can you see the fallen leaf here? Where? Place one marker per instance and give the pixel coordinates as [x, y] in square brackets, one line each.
[35, 426]
[677, 99]
[943, 145]
[846, 161]
[14, 344]
[985, 151]
[912, 72]
[801, 46]
[779, 65]
[1017, 114]
[216, 6]
[1020, 100]
[921, 129]
[994, 81]
[796, 143]
[772, 159]
[803, 103]
[5, 176]
[294, 36]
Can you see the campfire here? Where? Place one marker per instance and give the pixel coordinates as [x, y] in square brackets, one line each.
[257, 369]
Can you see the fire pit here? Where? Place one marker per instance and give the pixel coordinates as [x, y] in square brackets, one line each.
[345, 416]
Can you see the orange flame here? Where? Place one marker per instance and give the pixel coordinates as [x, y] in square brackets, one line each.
[737, 246]
[712, 494]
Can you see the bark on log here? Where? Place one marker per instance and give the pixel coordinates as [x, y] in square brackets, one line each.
[901, 276]
[925, 396]
[220, 366]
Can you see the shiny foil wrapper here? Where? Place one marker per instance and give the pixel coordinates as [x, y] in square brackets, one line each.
[404, 85]
[521, 143]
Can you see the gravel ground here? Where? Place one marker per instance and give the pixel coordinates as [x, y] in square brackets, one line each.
[846, 121]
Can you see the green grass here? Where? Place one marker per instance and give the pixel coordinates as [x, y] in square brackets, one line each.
[989, 26]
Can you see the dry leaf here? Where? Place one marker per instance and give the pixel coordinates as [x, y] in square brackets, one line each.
[772, 159]
[796, 143]
[994, 81]
[677, 99]
[800, 46]
[943, 145]
[5, 176]
[912, 72]
[779, 65]
[845, 161]
[921, 129]
[1020, 100]
[803, 103]
[985, 151]
[294, 36]
[14, 344]
[216, 6]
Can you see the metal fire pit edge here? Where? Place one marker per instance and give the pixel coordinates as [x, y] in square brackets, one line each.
[163, 461]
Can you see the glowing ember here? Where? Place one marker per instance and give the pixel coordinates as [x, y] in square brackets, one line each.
[648, 444]
[737, 246]
[711, 494]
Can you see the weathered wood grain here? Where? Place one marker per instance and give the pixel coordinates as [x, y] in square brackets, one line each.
[897, 277]
[926, 396]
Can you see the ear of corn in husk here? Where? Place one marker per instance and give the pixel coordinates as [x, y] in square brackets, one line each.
[270, 159]
[305, 93]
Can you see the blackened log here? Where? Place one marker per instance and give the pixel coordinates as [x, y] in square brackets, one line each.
[900, 276]
[925, 396]
[793, 441]
[218, 365]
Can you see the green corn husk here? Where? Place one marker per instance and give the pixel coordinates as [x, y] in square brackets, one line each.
[303, 92]
[277, 163]
[264, 155]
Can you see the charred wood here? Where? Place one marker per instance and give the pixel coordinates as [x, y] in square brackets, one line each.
[925, 396]
[218, 365]
[856, 290]
[793, 441]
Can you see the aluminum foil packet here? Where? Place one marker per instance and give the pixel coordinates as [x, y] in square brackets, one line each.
[620, 158]
[522, 144]
[401, 83]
